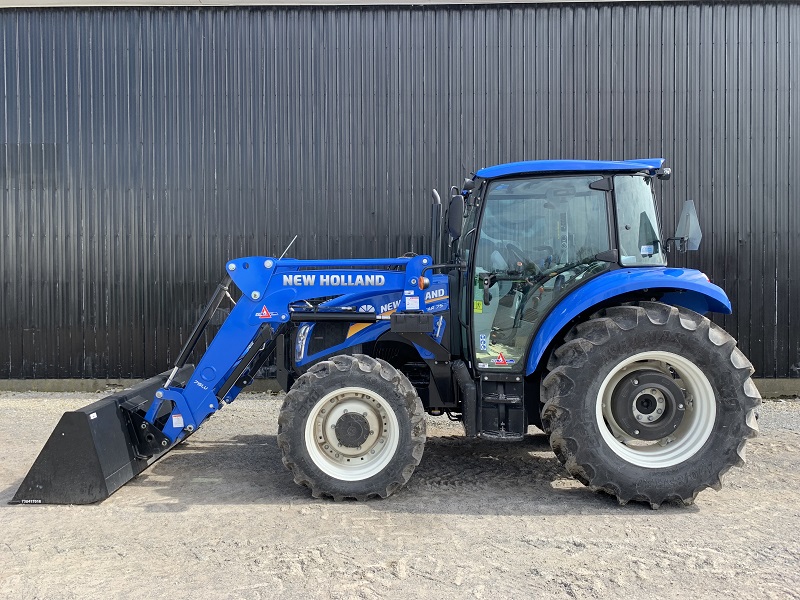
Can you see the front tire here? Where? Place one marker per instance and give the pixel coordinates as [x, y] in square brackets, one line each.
[352, 427]
[649, 403]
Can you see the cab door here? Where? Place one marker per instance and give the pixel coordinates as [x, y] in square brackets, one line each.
[537, 239]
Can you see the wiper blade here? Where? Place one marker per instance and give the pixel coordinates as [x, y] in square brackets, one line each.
[490, 278]
[609, 256]
[507, 276]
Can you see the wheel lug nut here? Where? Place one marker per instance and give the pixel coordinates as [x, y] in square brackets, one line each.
[638, 417]
[636, 432]
[344, 410]
[659, 410]
[371, 432]
[364, 414]
[649, 418]
[635, 382]
[680, 406]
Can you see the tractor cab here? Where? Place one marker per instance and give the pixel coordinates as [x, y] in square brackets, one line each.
[535, 231]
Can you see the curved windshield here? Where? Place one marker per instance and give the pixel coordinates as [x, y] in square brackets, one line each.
[538, 237]
[639, 241]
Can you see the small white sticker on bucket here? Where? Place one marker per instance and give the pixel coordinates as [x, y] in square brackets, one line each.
[93, 416]
[177, 421]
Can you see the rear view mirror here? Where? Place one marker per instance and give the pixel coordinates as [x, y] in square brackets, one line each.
[688, 234]
[455, 216]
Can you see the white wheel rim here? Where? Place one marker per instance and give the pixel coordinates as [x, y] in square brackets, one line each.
[693, 431]
[352, 463]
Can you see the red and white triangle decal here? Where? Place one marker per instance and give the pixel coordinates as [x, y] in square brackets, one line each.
[264, 314]
[500, 360]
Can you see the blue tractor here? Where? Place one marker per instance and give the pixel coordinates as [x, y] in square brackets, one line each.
[546, 301]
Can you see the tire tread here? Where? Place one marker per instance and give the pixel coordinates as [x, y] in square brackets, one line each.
[567, 361]
[356, 363]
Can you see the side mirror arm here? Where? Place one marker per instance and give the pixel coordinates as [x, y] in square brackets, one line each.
[680, 243]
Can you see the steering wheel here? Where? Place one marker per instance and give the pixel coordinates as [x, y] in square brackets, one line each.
[522, 260]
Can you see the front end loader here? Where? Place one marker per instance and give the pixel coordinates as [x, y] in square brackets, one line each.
[546, 301]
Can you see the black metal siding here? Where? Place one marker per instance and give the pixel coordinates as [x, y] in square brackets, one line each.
[139, 149]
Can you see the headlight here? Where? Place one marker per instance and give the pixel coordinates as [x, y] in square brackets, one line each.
[300, 343]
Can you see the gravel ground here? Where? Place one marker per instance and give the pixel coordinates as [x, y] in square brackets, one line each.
[220, 517]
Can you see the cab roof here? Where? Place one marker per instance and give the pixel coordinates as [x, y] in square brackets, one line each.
[572, 166]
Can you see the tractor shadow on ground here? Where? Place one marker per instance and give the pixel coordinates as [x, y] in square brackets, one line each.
[456, 476]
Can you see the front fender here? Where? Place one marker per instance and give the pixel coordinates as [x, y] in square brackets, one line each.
[680, 287]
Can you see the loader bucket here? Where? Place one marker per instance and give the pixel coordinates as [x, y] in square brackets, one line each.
[93, 451]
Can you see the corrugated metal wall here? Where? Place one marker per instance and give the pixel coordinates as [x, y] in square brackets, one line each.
[141, 148]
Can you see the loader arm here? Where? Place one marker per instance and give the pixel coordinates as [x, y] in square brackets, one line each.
[269, 289]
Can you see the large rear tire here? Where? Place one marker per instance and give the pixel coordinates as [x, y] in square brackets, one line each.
[352, 427]
[649, 403]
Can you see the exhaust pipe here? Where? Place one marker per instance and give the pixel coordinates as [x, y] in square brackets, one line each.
[436, 227]
[97, 449]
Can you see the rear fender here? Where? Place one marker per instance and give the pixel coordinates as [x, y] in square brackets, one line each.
[680, 287]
